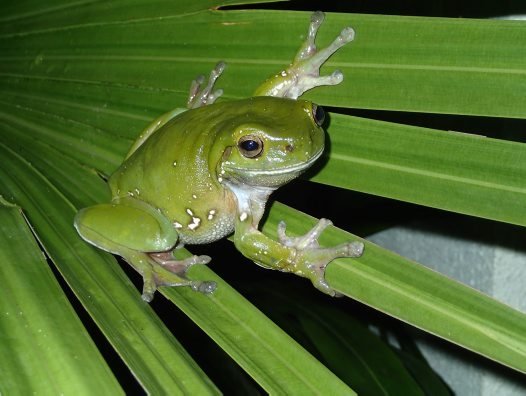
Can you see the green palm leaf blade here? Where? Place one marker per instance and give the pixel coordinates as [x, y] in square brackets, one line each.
[80, 84]
[454, 171]
[228, 317]
[396, 63]
[38, 325]
[418, 295]
[157, 360]
[260, 347]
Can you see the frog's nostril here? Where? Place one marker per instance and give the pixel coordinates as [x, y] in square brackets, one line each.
[289, 148]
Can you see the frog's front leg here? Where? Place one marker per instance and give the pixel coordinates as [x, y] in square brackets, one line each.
[316, 258]
[304, 72]
[144, 238]
[302, 256]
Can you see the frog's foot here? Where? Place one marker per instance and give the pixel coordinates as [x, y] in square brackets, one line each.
[199, 96]
[304, 72]
[179, 267]
[311, 259]
[164, 270]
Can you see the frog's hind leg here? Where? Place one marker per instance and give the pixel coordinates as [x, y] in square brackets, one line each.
[162, 269]
[303, 73]
[201, 96]
[140, 234]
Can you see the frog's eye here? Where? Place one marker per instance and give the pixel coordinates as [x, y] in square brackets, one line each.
[250, 146]
[319, 114]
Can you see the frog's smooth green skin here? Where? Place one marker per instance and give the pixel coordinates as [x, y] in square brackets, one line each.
[197, 97]
[194, 177]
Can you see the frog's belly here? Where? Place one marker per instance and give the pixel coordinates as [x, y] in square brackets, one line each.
[212, 228]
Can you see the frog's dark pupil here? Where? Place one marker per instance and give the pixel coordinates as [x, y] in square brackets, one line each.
[319, 115]
[249, 145]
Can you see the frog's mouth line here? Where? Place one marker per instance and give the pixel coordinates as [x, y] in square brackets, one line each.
[281, 171]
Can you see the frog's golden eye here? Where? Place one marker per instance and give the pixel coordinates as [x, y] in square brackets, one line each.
[318, 114]
[250, 146]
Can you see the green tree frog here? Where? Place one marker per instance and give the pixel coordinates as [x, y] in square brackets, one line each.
[195, 176]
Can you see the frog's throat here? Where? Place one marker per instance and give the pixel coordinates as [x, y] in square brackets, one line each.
[298, 168]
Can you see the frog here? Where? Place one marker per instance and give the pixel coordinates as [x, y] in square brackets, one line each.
[200, 174]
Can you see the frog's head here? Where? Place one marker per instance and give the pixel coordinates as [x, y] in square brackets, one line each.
[272, 141]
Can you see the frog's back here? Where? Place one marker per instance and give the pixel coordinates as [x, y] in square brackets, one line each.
[157, 157]
[187, 149]
[174, 171]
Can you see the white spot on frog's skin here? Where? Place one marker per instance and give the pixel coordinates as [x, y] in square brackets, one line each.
[137, 191]
[175, 163]
[243, 216]
[195, 223]
[211, 214]
[189, 211]
[178, 225]
[130, 193]
[220, 179]
[194, 196]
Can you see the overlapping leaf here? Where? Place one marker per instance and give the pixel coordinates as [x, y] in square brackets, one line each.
[78, 83]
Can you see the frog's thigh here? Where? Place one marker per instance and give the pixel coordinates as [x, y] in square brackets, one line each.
[135, 225]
